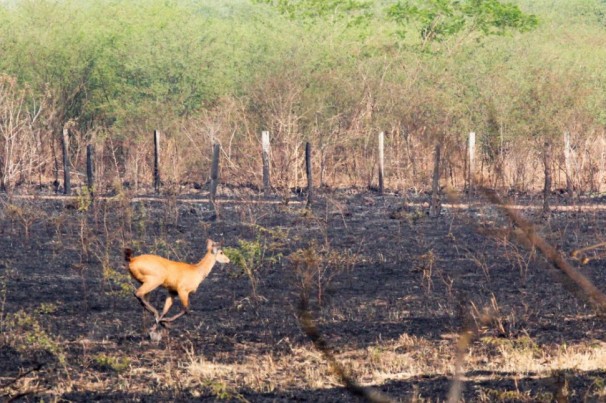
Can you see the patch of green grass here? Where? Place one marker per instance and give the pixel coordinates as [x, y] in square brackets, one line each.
[23, 331]
[111, 363]
[519, 344]
[46, 309]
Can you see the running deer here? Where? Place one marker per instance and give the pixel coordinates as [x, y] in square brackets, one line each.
[180, 279]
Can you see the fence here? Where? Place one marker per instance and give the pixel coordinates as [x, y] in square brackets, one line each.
[389, 162]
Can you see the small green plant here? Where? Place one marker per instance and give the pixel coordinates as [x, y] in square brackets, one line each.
[118, 281]
[46, 309]
[111, 363]
[85, 198]
[221, 391]
[249, 257]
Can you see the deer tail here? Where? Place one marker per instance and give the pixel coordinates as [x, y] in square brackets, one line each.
[128, 253]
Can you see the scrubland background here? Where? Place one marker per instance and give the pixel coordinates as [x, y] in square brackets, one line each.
[334, 74]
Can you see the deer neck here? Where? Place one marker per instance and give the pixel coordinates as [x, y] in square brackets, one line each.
[205, 265]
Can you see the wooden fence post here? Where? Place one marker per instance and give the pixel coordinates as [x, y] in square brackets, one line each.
[265, 145]
[568, 164]
[90, 171]
[547, 168]
[472, 160]
[67, 187]
[309, 174]
[214, 177]
[435, 206]
[381, 161]
[156, 161]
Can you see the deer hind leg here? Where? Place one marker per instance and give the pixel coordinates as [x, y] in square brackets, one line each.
[142, 294]
[184, 298]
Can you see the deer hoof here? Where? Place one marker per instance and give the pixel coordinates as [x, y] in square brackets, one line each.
[155, 334]
[165, 324]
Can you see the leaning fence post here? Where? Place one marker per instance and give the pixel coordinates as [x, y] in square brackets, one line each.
[381, 161]
[214, 176]
[265, 145]
[90, 170]
[156, 161]
[309, 173]
[66, 171]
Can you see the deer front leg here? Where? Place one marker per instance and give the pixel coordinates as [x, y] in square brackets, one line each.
[167, 304]
[184, 297]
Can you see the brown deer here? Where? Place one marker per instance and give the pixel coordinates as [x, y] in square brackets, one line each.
[180, 279]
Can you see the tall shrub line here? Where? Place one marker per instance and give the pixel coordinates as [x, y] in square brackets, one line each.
[227, 72]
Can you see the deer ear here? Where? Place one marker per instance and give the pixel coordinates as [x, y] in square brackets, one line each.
[209, 244]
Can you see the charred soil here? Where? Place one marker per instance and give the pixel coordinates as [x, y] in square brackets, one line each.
[390, 290]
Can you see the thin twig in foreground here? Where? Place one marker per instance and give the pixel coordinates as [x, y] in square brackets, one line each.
[309, 327]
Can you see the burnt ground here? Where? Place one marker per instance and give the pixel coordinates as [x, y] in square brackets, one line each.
[73, 331]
